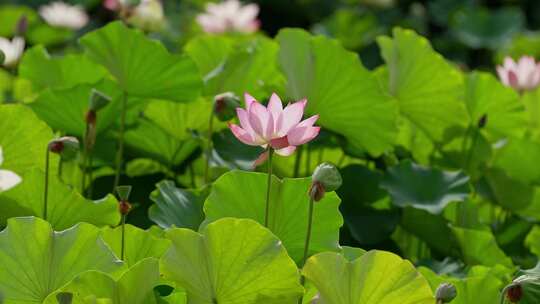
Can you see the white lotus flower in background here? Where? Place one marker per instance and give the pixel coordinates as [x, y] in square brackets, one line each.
[148, 15]
[229, 16]
[60, 14]
[522, 75]
[12, 50]
[8, 179]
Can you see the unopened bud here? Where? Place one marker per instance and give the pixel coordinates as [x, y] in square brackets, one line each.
[67, 147]
[124, 207]
[123, 192]
[328, 175]
[445, 293]
[225, 106]
[482, 121]
[22, 26]
[64, 298]
[514, 293]
[98, 100]
[316, 191]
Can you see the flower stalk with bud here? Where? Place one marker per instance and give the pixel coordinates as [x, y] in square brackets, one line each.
[445, 293]
[124, 207]
[274, 128]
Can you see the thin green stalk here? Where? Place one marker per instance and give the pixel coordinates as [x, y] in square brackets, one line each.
[471, 149]
[90, 178]
[123, 237]
[297, 161]
[84, 160]
[308, 160]
[60, 167]
[269, 186]
[192, 176]
[308, 239]
[209, 147]
[120, 151]
[46, 191]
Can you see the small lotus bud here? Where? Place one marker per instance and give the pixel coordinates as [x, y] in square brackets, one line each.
[225, 106]
[22, 26]
[316, 191]
[123, 192]
[2, 57]
[445, 293]
[124, 207]
[482, 121]
[514, 293]
[67, 147]
[328, 175]
[98, 100]
[64, 298]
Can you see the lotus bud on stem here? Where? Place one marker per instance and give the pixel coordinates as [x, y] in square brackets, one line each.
[445, 293]
[124, 207]
[22, 26]
[325, 178]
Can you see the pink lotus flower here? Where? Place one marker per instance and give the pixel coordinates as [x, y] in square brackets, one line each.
[229, 16]
[522, 75]
[281, 129]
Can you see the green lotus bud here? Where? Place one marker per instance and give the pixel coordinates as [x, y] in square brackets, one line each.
[482, 121]
[22, 26]
[67, 147]
[2, 57]
[64, 298]
[98, 100]
[445, 293]
[328, 175]
[123, 192]
[225, 106]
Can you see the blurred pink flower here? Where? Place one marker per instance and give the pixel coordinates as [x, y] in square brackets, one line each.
[522, 75]
[280, 128]
[229, 16]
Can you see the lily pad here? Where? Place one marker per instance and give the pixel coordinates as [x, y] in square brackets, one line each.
[37, 260]
[424, 188]
[288, 212]
[231, 261]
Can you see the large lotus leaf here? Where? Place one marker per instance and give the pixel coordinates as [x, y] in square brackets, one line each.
[479, 247]
[64, 110]
[66, 207]
[62, 73]
[485, 95]
[138, 244]
[37, 260]
[23, 138]
[239, 66]
[426, 87]
[480, 286]
[179, 119]
[152, 141]
[135, 286]
[288, 212]
[142, 67]
[231, 261]
[516, 157]
[347, 97]
[533, 240]
[175, 207]
[486, 28]
[375, 277]
[424, 188]
[510, 193]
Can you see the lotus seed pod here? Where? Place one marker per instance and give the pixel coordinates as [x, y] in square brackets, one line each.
[67, 147]
[328, 176]
[123, 192]
[446, 292]
[225, 106]
[98, 100]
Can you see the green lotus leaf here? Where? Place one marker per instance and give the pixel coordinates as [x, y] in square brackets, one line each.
[139, 244]
[135, 286]
[424, 188]
[373, 278]
[231, 261]
[338, 88]
[288, 212]
[66, 207]
[142, 67]
[36, 260]
[10, 16]
[61, 73]
[426, 87]
[175, 207]
[533, 240]
[516, 157]
[486, 95]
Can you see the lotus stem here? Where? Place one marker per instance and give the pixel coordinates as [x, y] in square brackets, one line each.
[209, 148]
[298, 161]
[269, 186]
[308, 239]
[123, 237]
[120, 151]
[46, 190]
